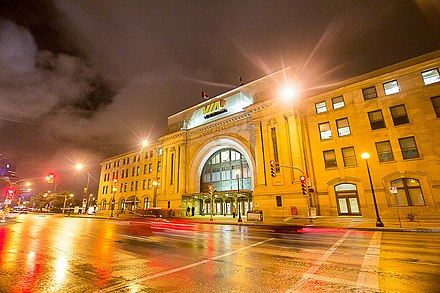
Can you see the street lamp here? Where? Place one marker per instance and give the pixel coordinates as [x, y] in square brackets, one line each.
[65, 200]
[237, 175]
[80, 167]
[154, 193]
[114, 187]
[366, 156]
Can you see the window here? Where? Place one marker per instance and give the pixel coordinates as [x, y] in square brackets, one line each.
[369, 93]
[279, 201]
[144, 184]
[391, 87]
[132, 186]
[159, 151]
[349, 157]
[330, 159]
[138, 170]
[146, 155]
[436, 105]
[376, 119]
[159, 166]
[409, 148]
[145, 168]
[384, 151]
[150, 167]
[338, 102]
[408, 193]
[321, 107]
[431, 76]
[343, 127]
[273, 134]
[151, 154]
[399, 115]
[149, 183]
[325, 131]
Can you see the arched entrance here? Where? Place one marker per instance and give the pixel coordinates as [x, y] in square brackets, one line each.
[228, 173]
[347, 200]
[132, 203]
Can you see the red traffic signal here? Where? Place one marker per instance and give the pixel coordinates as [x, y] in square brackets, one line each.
[10, 192]
[272, 168]
[303, 179]
[50, 177]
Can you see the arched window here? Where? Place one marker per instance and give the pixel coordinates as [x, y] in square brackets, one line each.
[146, 203]
[409, 192]
[347, 200]
[104, 204]
[225, 170]
[122, 204]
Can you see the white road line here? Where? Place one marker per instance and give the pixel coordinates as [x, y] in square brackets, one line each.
[368, 276]
[317, 264]
[157, 275]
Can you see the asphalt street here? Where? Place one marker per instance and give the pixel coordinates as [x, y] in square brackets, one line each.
[52, 253]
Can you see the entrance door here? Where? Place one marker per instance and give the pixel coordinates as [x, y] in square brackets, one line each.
[347, 200]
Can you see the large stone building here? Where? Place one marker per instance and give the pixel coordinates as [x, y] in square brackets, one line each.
[226, 143]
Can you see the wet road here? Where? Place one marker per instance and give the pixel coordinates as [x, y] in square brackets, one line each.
[50, 253]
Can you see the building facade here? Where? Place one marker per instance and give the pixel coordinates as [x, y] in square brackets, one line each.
[226, 144]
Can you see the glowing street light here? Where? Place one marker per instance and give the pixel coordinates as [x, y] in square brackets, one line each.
[65, 200]
[288, 92]
[366, 156]
[80, 167]
[154, 193]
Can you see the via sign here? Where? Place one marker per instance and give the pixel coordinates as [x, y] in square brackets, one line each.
[214, 109]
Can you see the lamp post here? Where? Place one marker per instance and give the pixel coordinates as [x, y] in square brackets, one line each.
[154, 193]
[366, 156]
[237, 175]
[115, 187]
[80, 167]
[65, 200]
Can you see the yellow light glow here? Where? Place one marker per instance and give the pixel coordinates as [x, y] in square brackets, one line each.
[289, 92]
[365, 156]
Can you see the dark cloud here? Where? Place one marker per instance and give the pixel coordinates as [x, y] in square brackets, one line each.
[83, 80]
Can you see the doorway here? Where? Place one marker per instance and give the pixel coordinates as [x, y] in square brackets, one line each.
[347, 200]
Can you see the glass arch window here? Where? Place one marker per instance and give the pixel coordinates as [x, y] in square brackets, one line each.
[221, 169]
[104, 204]
[409, 192]
[347, 200]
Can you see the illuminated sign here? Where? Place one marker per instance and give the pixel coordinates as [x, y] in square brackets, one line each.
[218, 109]
[214, 109]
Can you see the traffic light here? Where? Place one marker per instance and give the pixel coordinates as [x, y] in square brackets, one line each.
[303, 179]
[272, 168]
[50, 177]
[210, 190]
[10, 192]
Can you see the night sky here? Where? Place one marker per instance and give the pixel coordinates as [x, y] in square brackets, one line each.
[84, 80]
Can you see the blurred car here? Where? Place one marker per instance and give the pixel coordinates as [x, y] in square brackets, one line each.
[20, 210]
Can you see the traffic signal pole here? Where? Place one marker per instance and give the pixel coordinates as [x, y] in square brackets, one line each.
[304, 188]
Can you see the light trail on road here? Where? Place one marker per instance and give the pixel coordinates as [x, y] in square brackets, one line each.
[178, 269]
